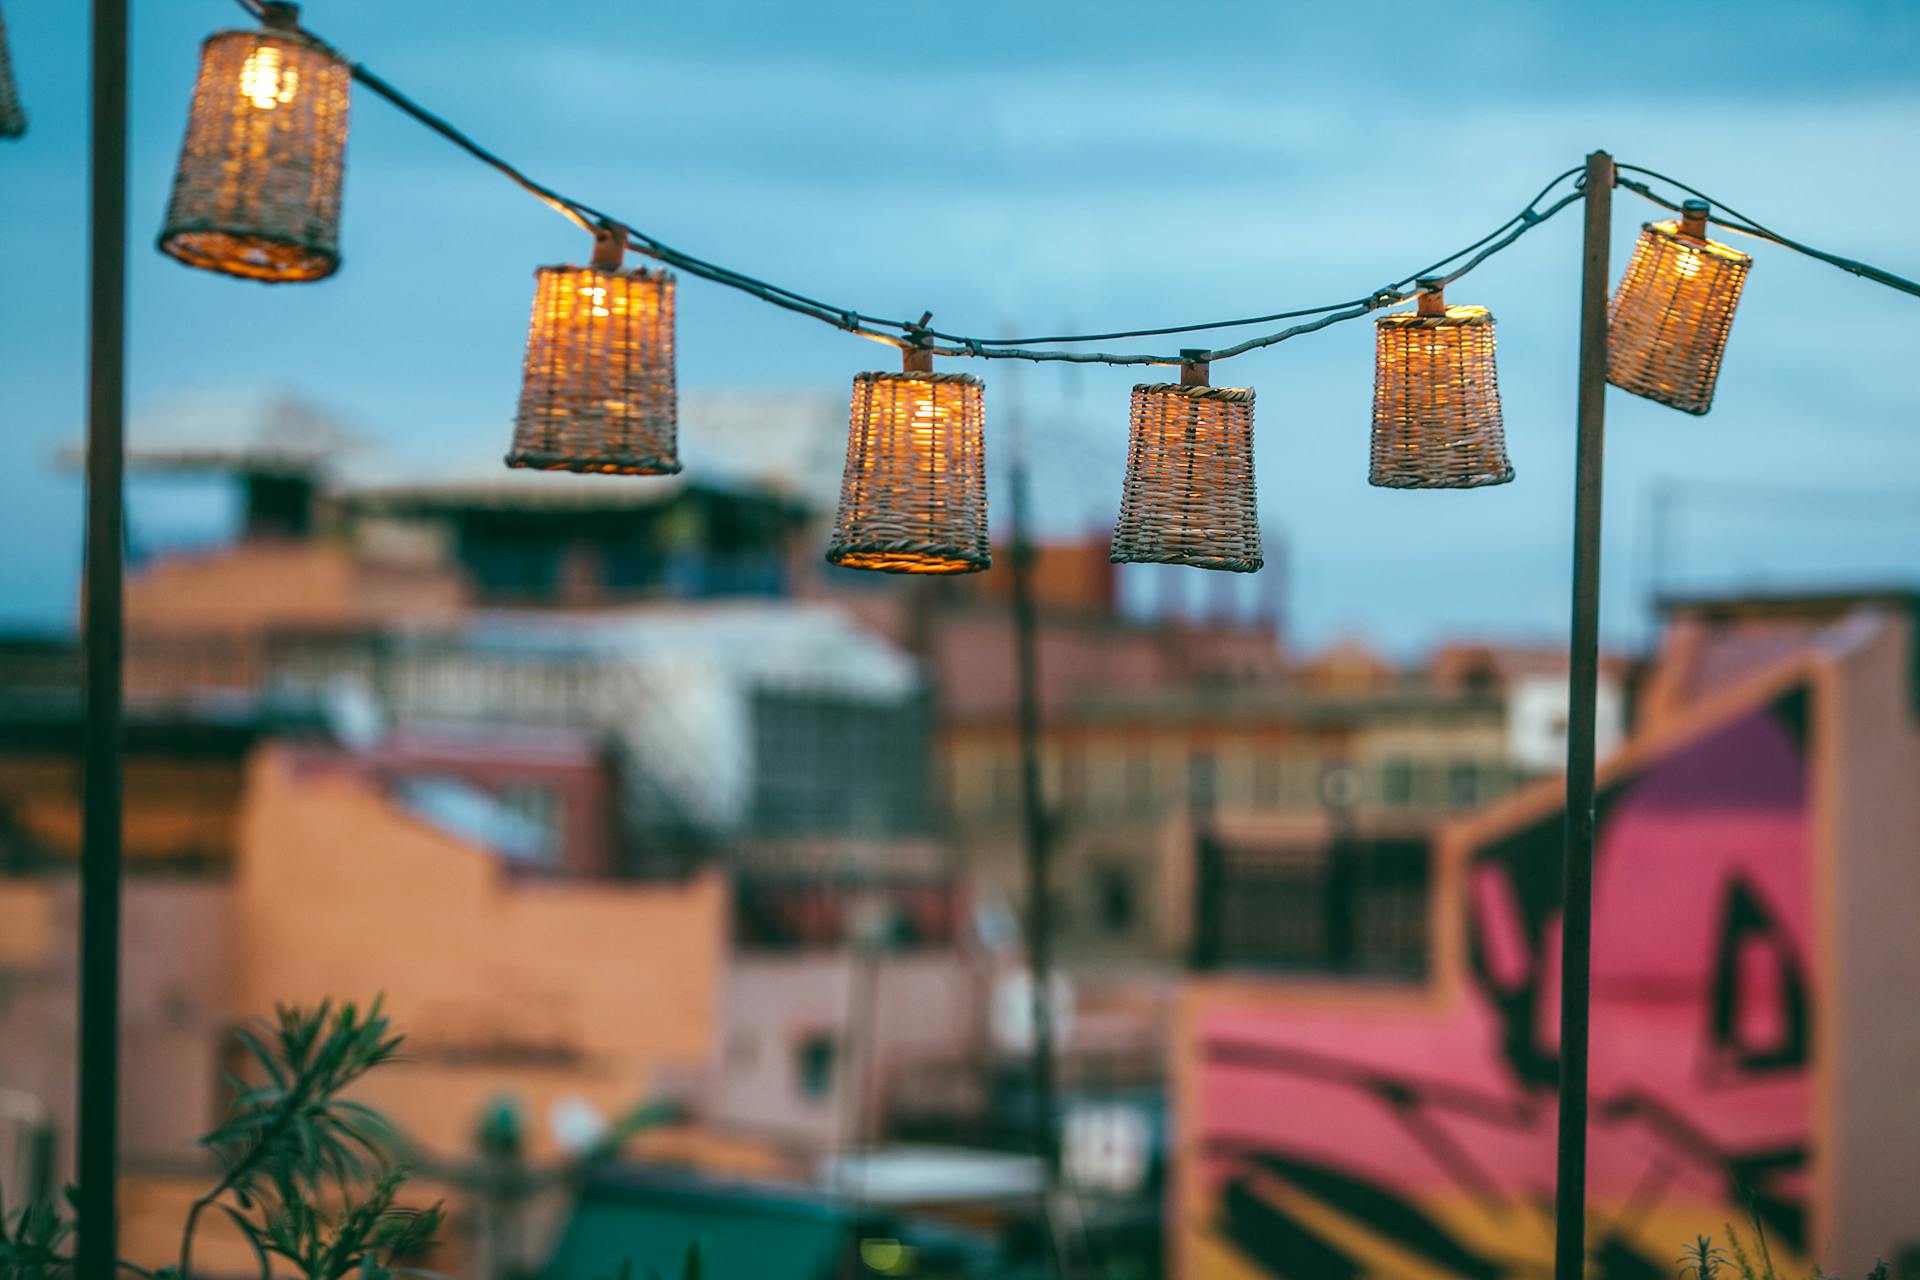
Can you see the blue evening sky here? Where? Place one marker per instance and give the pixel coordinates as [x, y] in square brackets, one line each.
[1074, 163]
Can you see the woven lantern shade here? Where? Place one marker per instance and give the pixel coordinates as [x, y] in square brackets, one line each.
[914, 495]
[1436, 399]
[257, 194]
[597, 391]
[1668, 323]
[13, 120]
[1188, 497]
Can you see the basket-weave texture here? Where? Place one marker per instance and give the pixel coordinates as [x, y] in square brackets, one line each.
[1436, 402]
[1189, 495]
[257, 193]
[913, 498]
[13, 119]
[1670, 316]
[597, 391]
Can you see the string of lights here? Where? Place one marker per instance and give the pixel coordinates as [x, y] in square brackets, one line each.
[910, 333]
[920, 334]
[258, 195]
[1740, 223]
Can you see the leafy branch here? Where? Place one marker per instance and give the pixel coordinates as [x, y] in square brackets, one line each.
[1702, 1261]
[307, 1176]
[291, 1146]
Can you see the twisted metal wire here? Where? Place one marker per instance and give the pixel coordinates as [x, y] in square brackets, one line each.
[919, 334]
[1739, 222]
[910, 333]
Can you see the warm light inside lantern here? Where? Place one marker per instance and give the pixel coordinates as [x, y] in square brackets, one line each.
[1437, 421]
[597, 392]
[1672, 312]
[257, 193]
[265, 81]
[913, 496]
[1189, 492]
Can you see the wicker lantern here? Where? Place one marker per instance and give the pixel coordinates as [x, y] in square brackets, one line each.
[1436, 399]
[597, 392]
[914, 495]
[1188, 497]
[257, 193]
[13, 120]
[1670, 317]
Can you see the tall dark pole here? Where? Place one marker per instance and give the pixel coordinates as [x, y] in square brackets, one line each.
[102, 625]
[1038, 835]
[1576, 891]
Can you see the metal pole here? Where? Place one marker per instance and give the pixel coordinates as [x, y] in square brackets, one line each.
[1576, 889]
[1038, 834]
[102, 625]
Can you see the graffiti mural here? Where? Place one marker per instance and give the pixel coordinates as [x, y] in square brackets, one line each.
[1345, 1138]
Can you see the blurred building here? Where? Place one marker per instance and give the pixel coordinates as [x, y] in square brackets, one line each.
[525, 539]
[336, 889]
[620, 793]
[1152, 730]
[469, 737]
[1755, 872]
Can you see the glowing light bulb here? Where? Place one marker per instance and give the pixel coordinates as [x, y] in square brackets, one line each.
[596, 296]
[265, 82]
[1686, 264]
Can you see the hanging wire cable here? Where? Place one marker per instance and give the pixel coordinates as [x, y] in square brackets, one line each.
[1741, 223]
[908, 333]
[1357, 310]
[919, 334]
[941, 342]
[1525, 217]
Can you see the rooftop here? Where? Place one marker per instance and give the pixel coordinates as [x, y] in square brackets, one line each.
[256, 430]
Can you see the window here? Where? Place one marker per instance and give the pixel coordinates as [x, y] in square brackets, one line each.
[512, 563]
[1114, 904]
[826, 764]
[542, 811]
[1005, 797]
[1396, 783]
[1202, 781]
[1267, 780]
[631, 563]
[1139, 782]
[1352, 907]
[1429, 784]
[1073, 781]
[813, 1062]
[1463, 784]
[1480, 679]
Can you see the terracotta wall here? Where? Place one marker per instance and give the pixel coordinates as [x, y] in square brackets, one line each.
[176, 979]
[546, 990]
[261, 585]
[178, 810]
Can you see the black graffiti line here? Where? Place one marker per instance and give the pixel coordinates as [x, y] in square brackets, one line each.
[1323, 1183]
[1505, 1112]
[1469, 1176]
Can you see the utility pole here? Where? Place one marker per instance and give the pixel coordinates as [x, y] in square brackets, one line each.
[103, 636]
[1038, 832]
[1576, 884]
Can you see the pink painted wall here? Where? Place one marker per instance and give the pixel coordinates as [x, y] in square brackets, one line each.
[904, 1010]
[1356, 1134]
